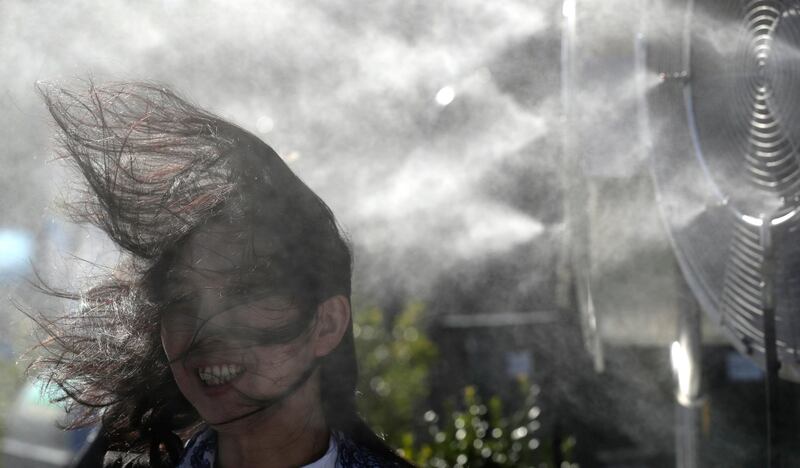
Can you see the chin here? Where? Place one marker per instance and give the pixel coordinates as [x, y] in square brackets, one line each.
[242, 420]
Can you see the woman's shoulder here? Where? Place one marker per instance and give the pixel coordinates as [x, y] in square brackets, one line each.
[198, 453]
[126, 460]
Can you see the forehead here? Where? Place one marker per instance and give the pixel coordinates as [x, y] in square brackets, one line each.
[219, 254]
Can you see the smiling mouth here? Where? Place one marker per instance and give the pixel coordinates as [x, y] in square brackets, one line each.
[220, 374]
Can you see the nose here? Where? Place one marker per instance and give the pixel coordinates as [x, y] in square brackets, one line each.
[204, 350]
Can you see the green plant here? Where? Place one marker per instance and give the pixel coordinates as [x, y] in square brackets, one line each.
[394, 363]
[478, 434]
[10, 380]
[395, 360]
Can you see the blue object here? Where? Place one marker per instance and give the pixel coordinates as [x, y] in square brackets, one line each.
[742, 369]
[15, 250]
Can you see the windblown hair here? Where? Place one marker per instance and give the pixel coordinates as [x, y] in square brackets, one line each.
[156, 169]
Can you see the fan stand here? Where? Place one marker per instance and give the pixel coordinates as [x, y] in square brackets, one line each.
[771, 365]
[688, 401]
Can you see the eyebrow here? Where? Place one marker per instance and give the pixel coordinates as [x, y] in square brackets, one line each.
[230, 297]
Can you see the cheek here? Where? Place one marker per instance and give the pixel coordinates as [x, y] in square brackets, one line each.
[279, 364]
[174, 343]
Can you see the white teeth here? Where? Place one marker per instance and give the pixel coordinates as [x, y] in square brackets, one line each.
[220, 374]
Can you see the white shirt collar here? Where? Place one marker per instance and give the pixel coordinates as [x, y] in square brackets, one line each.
[203, 449]
[329, 459]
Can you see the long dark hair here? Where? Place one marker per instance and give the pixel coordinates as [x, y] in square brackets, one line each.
[157, 168]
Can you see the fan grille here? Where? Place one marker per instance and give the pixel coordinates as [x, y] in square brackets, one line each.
[743, 105]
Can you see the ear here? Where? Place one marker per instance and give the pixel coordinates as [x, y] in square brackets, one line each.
[333, 320]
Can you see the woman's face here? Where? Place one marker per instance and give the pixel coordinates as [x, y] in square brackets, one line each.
[229, 349]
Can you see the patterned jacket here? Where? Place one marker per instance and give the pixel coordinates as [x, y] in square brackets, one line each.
[201, 451]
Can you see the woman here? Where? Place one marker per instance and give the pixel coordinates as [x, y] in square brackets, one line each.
[229, 324]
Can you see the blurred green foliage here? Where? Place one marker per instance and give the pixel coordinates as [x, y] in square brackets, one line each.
[394, 363]
[395, 359]
[10, 380]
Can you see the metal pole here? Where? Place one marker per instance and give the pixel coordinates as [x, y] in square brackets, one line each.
[770, 346]
[687, 366]
[577, 202]
[686, 436]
